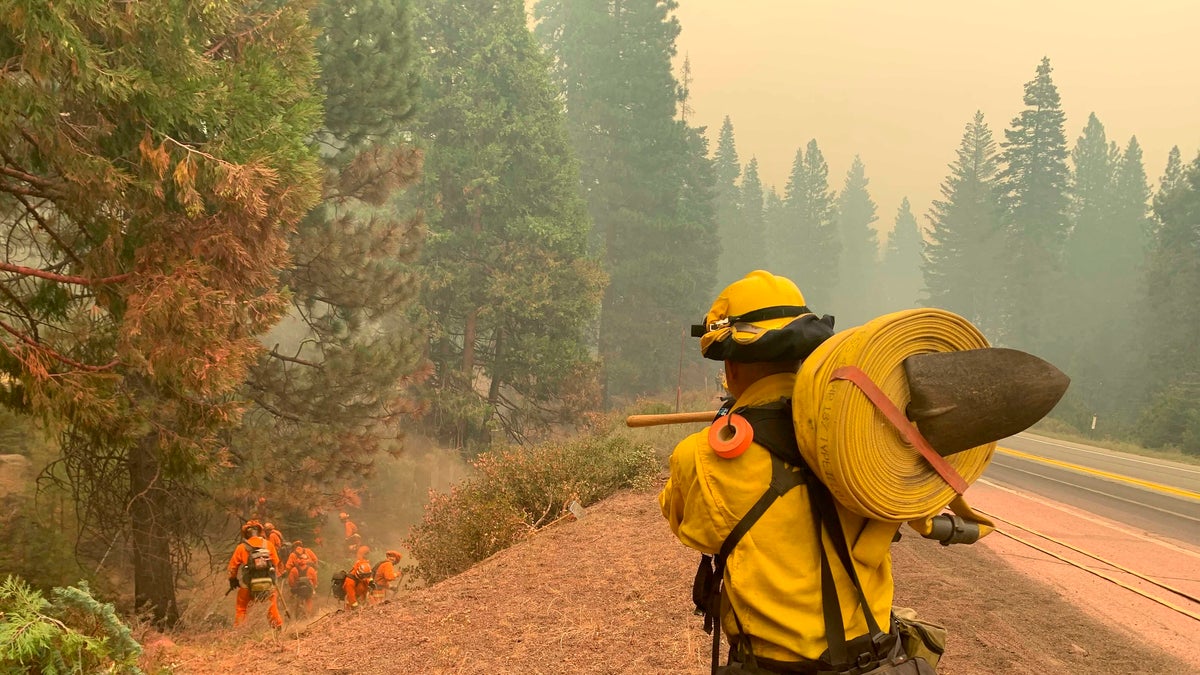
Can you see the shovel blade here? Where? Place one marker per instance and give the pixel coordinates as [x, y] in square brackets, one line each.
[961, 400]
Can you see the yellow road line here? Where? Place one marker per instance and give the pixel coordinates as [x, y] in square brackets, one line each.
[1103, 474]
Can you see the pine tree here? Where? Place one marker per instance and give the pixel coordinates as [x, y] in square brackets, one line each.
[806, 238]
[1173, 180]
[1172, 368]
[774, 223]
[507, 284]
[858, 269]
[155, 160]
[966, 238]
[744, 252]
[1103, 259]
[900, 272]
[613, 63]
[329, 394]
[1034, 185]
[727, 202]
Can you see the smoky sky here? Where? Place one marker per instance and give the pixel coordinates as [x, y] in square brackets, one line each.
[896, 81]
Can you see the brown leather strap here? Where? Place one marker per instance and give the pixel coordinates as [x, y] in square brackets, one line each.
[902, 424]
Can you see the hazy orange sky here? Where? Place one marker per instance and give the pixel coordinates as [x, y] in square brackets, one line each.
[896, 81]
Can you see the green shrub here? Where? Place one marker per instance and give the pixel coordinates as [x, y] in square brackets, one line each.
[74, 633]
[515, 490]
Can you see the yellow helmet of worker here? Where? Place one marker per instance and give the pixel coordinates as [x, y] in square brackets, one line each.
[761, 317]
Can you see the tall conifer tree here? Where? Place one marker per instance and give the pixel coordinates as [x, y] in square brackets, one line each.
[857, 296]
[744, 253]
[727, 203]
[900, 272]
[805, 238]
[1172, 368]
[329, 394]
[961, 266]
[154, 161]
[774, 223]
[640, 172]
[1104, 255]
[1034, 185]
[507, 283]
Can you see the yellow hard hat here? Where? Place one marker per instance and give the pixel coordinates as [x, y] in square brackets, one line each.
[761, 317]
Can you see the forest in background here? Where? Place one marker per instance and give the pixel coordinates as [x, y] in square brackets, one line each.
[251, 265]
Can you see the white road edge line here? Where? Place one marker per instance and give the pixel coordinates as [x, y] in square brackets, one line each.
[1078, 513]
[1178, 466]
[1101, 493]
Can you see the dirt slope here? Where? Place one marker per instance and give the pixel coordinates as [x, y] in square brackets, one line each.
[611, 594]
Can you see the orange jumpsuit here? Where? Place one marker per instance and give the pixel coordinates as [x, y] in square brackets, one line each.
[241, 555]
[276, 539]
[303, 569]
[357, 583]
[351, 529]
[385, 575]
[294, 557]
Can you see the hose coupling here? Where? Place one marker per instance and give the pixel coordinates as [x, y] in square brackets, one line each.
[951, 529]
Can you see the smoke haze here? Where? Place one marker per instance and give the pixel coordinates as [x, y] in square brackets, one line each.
[896, 81]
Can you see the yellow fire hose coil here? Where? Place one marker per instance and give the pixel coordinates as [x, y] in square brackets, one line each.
[849, 443]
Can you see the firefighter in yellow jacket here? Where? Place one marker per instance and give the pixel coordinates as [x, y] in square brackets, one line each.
[771, 600]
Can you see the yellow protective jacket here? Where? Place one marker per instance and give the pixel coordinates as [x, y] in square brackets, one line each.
[773, 575]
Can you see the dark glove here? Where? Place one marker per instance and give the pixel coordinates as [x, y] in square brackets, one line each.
[233, 583]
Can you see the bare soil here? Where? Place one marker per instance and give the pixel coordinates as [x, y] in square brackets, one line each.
[610, 593]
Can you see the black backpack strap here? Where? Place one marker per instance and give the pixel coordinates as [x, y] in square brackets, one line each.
[774, 430]
[825, 515]
[712, 587]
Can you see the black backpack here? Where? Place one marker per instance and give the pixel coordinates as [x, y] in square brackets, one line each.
[303, 588]
[336, 585]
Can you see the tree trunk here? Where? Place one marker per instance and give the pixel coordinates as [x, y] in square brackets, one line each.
[153, 573]
[469, 336]
[494, 389]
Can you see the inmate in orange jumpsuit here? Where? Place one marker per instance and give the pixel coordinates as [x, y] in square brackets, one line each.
[274, 536]
[351, 531]
[387, 576]
[298, 549]
[304, 570]
[241, 556]
[358, 580]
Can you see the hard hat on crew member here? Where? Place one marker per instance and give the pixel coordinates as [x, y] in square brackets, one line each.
[761, 317]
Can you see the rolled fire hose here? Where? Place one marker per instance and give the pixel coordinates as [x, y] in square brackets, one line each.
[856, 451]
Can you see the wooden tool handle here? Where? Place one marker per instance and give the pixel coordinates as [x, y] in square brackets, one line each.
[670, 418]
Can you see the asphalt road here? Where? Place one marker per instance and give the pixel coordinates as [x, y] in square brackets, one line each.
[1156, 496]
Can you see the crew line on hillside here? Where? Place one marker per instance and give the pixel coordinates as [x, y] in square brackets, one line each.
[1165, 603]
